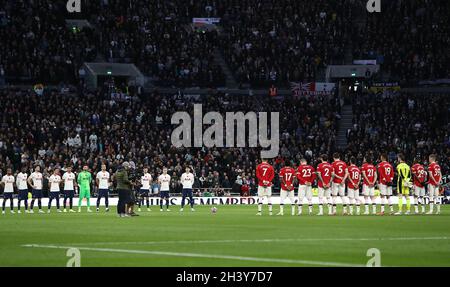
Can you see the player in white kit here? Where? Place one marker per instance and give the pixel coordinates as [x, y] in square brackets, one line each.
[54, 181]
[164, 181]
[103, 183]
[35, 181]
[22, 186]
[187, 180]
[70, 182]
[144, 191]
[8, 185]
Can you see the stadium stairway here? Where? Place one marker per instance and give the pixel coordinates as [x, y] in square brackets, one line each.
[345, 123]
[230, 81]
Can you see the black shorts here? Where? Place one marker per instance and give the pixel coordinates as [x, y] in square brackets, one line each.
[37, 193]
[187, 192]
[143, 192]
[164, 194]
[23, 194]
[53, 194]
[103, 192]
[8, 195]
[69, 193]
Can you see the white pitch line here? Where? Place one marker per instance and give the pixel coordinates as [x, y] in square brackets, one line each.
[199, 255]
[260, 240]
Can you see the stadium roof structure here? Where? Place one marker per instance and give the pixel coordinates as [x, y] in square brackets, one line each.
[129, 71]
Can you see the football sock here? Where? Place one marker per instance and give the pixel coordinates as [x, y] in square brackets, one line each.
[80, 200]
[50, 203]
[310, 208]
[281, 207]
[39, 203]
[374, 208]
[4, 204]
[32, 204]
[431, 206]
[438, 207]
[334, 208]
[358, 208]
[160, 203]
[260, 206]
[98, 202]
[408, 203]
[292, 209]
[400, 204]
[320, 208]
[366, 207]
[182, 201]
[167, 203]
[300, 206]
[71, 203]
[88, 201]
[106, 202]
[382, 208]
[270, 207]
[351, 208]
[147, 201]
[191, 199]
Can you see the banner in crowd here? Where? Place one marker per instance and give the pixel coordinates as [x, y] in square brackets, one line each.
[385, 88]
[435, 82]
[364, 62]
[205, 21]
[312, 88]
[229, 200]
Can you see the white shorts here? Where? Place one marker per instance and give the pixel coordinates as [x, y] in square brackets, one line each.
[419, 191]
[264, 191]
[353, 193]
[385, 190]
[324, 192]
[286, 193]
[368, 191]
[337, 188]
[304, 191]
[433, 191]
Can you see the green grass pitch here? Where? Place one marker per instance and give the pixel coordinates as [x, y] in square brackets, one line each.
[234, 236]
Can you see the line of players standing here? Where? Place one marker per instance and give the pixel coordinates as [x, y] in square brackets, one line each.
[333, 178]
[81, 183]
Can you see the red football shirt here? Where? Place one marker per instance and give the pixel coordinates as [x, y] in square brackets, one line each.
[435, 176]
[305, 173]
[385, 172]
[287, 175]
[325, 170]
[339, 169]
[355, 175]
[369, 170]
[265, 174]
[419, 174]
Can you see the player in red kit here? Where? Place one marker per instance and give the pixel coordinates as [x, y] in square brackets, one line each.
[325, 175]
[420, 176]
[338, 185]
[287, 175]
[385, 181]
[305, 176]
[353, 181]
[369, 175]
[265, 174]
[434, 183]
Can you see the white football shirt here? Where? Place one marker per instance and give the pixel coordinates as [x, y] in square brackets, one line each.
[145, 181]
[187, 180]
[54, 181]
[165, 182]
[8, 180]
[69, 180]
[36, 177]
[21, 181]
[103, 179]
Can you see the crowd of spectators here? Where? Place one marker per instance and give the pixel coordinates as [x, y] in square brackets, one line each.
[54, 130]
[410, 40]
[416, 125]
[263, 41]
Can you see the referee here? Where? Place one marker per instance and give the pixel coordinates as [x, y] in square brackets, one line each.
[403, 184]
[123, 188]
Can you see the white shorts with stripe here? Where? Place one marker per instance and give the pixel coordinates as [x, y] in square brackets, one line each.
[419, 191]
[353, 193]
[304, 191]
[264, 191]
[338, 189]
[285, 194]
[385, 190]
[324, 191]
[433, 191]
[368, 191]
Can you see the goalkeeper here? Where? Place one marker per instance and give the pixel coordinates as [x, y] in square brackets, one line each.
[84, 182]
[403, 184]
